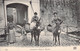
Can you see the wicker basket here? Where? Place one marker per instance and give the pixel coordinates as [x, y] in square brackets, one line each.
[27, 27]
[49, 28]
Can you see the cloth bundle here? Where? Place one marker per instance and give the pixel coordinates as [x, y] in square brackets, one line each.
[32, 25]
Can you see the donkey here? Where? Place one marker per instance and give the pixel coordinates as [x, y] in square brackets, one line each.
[56, 34]
[55, 31]
[36, 33]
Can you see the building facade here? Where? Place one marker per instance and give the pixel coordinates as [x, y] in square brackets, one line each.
[20, 10]
[68, 10]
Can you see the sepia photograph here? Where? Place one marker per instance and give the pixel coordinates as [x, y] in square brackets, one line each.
[40, 23]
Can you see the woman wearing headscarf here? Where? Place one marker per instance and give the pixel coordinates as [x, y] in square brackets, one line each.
[11, 31]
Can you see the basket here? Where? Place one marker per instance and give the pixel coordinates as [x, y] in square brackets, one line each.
[27, 27]
[49, 28]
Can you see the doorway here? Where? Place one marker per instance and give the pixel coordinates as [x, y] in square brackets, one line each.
[18, 13]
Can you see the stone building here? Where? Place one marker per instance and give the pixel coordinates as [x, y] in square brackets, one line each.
[20, 10]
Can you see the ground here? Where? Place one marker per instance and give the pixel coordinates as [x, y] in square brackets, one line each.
[46, 40]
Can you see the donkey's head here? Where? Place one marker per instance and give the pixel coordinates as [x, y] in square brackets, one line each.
[38, 23]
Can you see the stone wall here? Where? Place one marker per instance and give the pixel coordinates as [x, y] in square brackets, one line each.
[2, 20]
[35, 5]
[3, 11]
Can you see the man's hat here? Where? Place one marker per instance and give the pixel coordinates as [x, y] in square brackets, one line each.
[35, 13]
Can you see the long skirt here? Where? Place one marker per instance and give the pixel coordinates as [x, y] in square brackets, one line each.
[12, 37]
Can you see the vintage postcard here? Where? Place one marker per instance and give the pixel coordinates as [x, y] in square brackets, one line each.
[40, 25]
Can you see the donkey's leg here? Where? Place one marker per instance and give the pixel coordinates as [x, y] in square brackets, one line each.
[53, 37]
[38, 36]
[59, 39]
[31, 37]
[55, 40]
[38, 40]
[35, 39]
